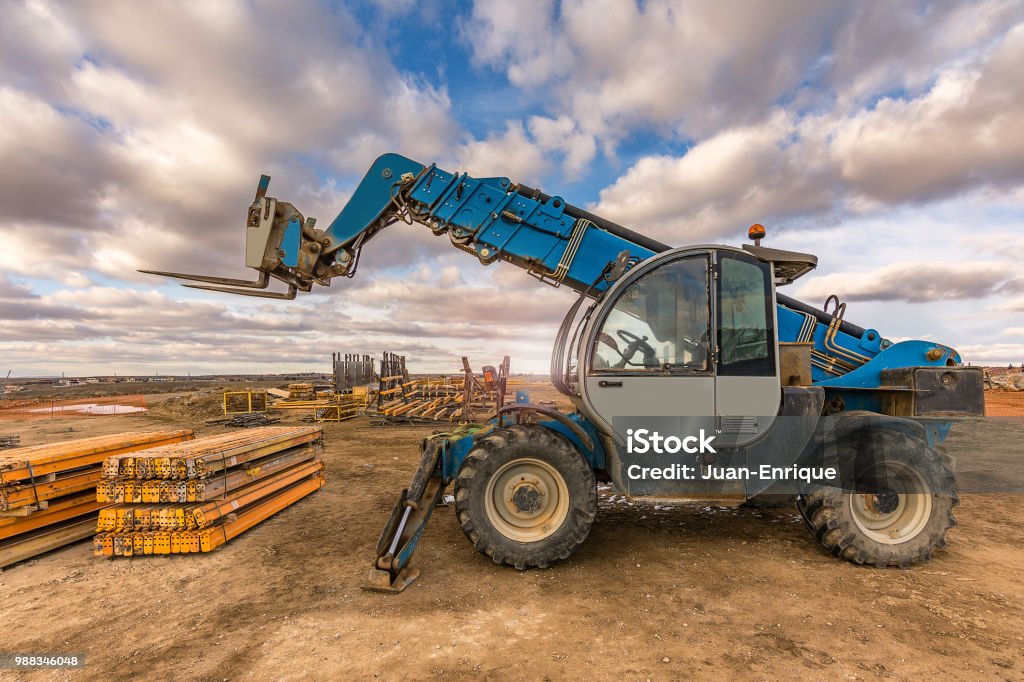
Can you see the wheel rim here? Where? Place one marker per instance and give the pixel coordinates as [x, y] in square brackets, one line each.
[893, 515]
[527, 500]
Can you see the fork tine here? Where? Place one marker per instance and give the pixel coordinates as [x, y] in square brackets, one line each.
[285, 296]
[260, 283]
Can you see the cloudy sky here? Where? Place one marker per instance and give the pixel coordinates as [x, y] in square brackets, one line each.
[887, 138]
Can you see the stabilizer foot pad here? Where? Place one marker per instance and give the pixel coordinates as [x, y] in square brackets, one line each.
[380, 581]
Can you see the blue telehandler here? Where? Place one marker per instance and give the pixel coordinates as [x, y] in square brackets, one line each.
[692, 377]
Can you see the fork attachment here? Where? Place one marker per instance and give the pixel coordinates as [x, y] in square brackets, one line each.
[279, 243]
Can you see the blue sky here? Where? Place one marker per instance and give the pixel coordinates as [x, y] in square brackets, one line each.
[885, 138]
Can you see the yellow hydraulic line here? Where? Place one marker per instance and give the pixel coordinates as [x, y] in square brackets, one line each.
[831, 345]
[833, 328]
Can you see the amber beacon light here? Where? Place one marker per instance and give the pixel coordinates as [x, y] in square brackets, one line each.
[756, 233]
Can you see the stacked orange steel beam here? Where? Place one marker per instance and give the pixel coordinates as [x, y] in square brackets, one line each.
[197, 496]
[47, 492]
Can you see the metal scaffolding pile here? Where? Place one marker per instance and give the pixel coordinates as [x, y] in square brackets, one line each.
[393, 374]
[47, 492]
[352, 370]
[245, 421]
[462, 399]
[199, 495]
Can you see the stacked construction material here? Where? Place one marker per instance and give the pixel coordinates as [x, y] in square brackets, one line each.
[301, 392]
[339, 408]
[464, 399]
[442, 399]
[47, 492]
[194, 497]
[9, 442]
[334, 408]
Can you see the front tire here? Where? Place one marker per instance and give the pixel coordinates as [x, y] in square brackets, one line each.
[902, 522]
[525, 497]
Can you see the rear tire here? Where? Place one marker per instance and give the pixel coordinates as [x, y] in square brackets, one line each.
[525, 497]
[895, 526]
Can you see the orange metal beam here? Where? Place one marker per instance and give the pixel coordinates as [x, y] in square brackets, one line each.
[68, 508]
[22, 547]
[205, 456]
[157, 491]
[208, 539]
[22, 495]
[53, 457]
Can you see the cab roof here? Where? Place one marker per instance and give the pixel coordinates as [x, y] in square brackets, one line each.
[788, 265]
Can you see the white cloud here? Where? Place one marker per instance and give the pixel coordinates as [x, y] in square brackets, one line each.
[720, 186]
[699, 67]
[992, 353]
[520, 36]
[153, 128]
[882, 48]
[511, 154]
[616, 64]
[959, 136]
[562, 134]
[916, 282]
[964, 132]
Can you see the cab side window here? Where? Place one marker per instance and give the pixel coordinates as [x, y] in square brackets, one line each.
[745, 321]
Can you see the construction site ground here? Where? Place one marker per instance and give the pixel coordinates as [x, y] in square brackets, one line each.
[654, 593]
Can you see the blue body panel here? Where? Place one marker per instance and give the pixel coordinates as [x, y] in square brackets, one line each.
[504, 224]
[371, 198]
[290, 243]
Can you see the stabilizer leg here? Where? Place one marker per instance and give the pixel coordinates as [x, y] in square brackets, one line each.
[397, 542]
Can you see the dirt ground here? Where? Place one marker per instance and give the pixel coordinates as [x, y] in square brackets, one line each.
[654, 593]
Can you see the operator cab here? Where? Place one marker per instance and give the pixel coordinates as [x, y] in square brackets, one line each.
[688, 339]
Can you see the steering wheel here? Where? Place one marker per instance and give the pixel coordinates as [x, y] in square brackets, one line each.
[634, 344]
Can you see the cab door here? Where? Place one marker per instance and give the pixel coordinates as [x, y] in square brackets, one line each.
[747, 388]
[648, 350]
